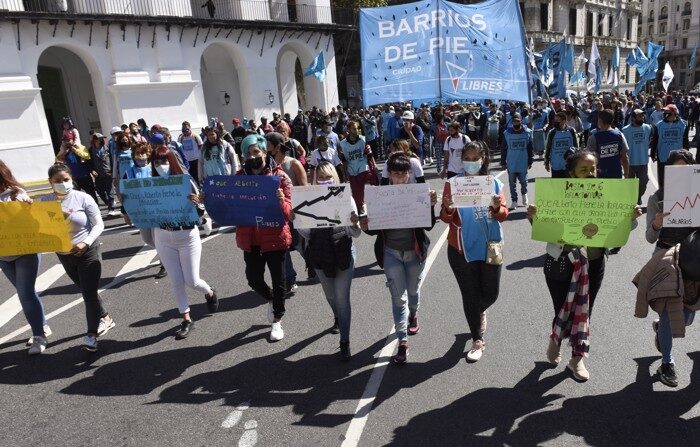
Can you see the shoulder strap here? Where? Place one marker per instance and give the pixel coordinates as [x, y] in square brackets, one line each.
[464, 140]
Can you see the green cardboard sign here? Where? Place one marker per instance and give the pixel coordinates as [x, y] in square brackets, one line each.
[584, 212]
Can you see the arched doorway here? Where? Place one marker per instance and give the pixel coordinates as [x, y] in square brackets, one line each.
[295, 90]
[67, 90]
[220, 84]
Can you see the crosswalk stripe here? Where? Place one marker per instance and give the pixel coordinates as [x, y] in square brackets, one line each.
[10, 308]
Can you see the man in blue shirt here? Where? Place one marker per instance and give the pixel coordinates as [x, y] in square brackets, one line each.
[610, 147]
[327, 131]
[516, 150]
[671, 133]
[394, 125]
[638, 135]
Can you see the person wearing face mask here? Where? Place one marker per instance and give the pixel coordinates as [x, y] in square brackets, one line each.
[267, 246]
[574, 275]
[402, 254]
[671, 133]
[359, 164]
[324, 152]
[180, 247]
[294, 147]
[326, 130]
[332, 255]
[22, 270]
[173, 146]
[452, 150]
[218, 157]
[369, 128]
[665, 239]
[638, 135]
[192, 147]
[517, 151]
[560, 139]
[102, 172]
[470, 232]
[83, 264]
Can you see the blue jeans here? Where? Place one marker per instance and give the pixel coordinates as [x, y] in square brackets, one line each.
[404, 272]
[337, 291]
[522, 178]
[664, 333]
[22, 274]
[437, 148]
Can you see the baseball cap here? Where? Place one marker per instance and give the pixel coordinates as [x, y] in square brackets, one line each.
[671, 108]
[236, 121]
[115, 129]
[157, 138]
[98, 135]
[407, 115]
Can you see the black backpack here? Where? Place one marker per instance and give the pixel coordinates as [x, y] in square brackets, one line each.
[689, 257]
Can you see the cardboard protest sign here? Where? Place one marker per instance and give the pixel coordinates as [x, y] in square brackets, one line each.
[321, 206]
[244, 200]
[157, 202]
[584, 212]
[27, 228]
[472, 191]
[398, 206]
[682, 196]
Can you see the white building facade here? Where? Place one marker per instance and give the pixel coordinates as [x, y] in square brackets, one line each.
[108, 62]
[675, 24]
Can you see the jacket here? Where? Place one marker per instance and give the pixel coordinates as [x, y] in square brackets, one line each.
[660, 286]
[269, 239]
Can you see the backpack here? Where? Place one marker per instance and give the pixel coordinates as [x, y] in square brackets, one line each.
[447, 142]
[441, 132]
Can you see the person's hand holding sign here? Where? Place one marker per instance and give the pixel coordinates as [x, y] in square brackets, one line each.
[447, 203]
[496, 204]
[659, 221]
[433, 197]
[637, 213]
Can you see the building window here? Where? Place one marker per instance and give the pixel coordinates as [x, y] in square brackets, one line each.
[686, 24]
[662, 28]
[600, 25]
[664, 13]
[684, 44]
[639, 32]
[628, 36]
[651, 30]
[572, 21]
[589, 24]
[627, 74]
[675, 43]
[686, 9]
[544, 16]
[651, 16]
[610, 24]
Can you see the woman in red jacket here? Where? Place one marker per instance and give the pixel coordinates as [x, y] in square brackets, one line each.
[266, 246]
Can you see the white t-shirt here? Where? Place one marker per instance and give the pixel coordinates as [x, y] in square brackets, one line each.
[416, 170]
[191, 146]
[328, 155]
[454, 146]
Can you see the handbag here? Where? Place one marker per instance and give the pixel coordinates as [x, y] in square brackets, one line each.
[559, 269]
[494, 249]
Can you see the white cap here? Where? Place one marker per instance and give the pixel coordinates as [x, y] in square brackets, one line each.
[115, 129]
[391, 107]
[407, 115]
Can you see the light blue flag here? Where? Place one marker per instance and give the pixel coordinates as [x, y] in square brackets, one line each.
[317, 68]
[437, 49]
[649, 65]
[568, 64]
[616, 59]
[691, 64]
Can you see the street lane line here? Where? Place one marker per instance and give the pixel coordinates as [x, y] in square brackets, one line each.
[652, 177]
[140, 261]
[235, 416]
[364, 407]
[10, 308]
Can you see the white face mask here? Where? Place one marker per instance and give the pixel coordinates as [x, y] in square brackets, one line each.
[472, 167]
[63, 188]
[163, 170]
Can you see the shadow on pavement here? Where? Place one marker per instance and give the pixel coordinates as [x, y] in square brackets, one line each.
[636, 415]
[537, 262]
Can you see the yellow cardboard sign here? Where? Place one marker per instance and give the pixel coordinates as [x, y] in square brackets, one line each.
[37, 227]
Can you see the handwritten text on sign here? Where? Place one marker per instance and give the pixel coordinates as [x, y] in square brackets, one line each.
[470, 192]
[32, 228]
[158, 202]
[398, 206]
[321, 206]
[682, 196]
[244, 200]
[584, 212]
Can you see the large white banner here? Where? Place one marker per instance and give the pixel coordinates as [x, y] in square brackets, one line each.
[682, 196]
[321, 206]
[398, 206]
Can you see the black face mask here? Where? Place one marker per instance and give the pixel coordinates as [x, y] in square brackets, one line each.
[254, 163]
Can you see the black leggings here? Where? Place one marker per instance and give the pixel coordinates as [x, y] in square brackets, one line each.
[479, 283]
[560, 289]
[255, 262]
[85, 271]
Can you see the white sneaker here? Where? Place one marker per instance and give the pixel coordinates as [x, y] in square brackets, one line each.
[90, 343]
[47, 332]
[106, 323]
[114, 213]
[38, 345]
[477, 350]
[270, 312]
[526, 202]
[277, 333]
[513, 205]
[206, 226]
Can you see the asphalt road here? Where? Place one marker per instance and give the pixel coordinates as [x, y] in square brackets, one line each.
[228, 385]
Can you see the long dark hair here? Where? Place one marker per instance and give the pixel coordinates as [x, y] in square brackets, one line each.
[398, 162]
[59, 167]
[206, 147]
[572, 156]
[7, 179]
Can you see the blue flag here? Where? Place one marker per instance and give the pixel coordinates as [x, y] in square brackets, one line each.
[317, 68]
[648, 66]
[568, 64]
[691, 63]
[434, 49]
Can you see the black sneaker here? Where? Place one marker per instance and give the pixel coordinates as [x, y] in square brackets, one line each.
[413, 326]
[186, 327]
[212, 302]
[312, 274]
[667, 374]
[401, 353]
[335, 329]
[345, 351]
[162, 273]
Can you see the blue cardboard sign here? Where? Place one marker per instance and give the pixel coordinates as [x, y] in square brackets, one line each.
[158, 202]
[244, 200]
[434, 49]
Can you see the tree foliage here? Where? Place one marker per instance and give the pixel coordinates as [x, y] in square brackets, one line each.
[357, 4]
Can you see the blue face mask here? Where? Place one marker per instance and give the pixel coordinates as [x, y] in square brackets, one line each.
[472, 167]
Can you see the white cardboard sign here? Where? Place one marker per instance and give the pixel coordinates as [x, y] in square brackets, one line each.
[682, 196]
[398, 206]
[321, 206]
[472, 191]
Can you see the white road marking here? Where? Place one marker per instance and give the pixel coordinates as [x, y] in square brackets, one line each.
[652, 177]
[250, 435]
[235, 416]
[141, 260]
[364, 407]
[12, 306]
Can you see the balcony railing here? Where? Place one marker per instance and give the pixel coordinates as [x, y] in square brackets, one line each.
[219, 10]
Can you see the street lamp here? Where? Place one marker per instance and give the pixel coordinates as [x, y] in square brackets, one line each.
[227, 98]
[271, 98]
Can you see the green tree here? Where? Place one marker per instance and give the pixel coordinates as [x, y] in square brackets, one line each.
[357, 4]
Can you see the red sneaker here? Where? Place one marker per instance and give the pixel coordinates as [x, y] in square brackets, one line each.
[401, 353]
[413, 326]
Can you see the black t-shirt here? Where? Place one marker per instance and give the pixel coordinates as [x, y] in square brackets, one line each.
[238, 134]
